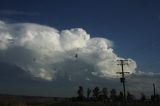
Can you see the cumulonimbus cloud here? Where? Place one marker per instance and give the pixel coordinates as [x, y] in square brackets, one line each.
[48, 53]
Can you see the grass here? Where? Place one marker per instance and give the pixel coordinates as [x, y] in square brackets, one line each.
[94, 104]
[84, 104]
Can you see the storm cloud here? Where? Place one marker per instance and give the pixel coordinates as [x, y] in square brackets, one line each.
[49, 54]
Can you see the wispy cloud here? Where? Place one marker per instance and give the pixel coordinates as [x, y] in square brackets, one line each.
[17, 12]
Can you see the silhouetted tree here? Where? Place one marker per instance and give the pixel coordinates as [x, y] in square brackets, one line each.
[80, 93]
[88, 93]
[155, 98]
[130, 97]
[104, 93]
[96, 92]
[143, 97]
[152, 97]
[113, 95]
[120, 96]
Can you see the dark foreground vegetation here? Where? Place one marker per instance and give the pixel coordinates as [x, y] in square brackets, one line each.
[9, 100]
[93, 97]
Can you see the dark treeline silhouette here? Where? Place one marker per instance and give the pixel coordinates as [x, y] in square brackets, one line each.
[85, 97]
[104, 95]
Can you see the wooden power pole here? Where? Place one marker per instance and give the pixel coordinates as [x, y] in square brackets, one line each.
[122, 79]
[154, 91]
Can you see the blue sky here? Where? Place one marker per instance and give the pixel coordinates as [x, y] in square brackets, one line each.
[133, 25]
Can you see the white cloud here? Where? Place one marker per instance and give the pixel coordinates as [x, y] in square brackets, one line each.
[47, 53]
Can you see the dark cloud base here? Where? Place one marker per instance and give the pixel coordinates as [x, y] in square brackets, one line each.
[16, 81]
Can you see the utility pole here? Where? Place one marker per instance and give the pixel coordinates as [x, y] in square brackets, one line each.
[154, 91]
[122, 79]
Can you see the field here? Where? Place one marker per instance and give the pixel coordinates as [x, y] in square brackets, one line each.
[82, 104]
[11, 100]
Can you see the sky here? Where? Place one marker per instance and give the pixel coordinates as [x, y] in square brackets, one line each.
[124, 29]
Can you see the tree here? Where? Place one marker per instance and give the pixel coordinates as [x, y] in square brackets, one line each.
[155, 98]
[80, 93]
[113, 95]
[96, 92]
[120, 96]
[130, 97]
[104, 93]
[88, 93]
[143, 97]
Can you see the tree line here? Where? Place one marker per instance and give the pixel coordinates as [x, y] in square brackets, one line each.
[97, 94]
